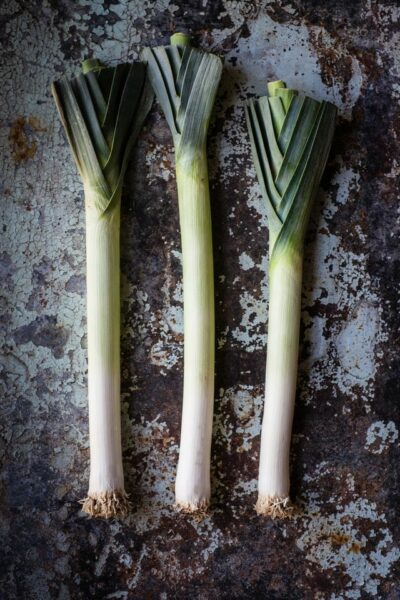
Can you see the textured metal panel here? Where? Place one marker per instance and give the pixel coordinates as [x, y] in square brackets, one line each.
[345, 444]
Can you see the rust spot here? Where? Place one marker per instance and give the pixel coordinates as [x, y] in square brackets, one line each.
[36, 124]
[167, 441]
[335, 64]
[21, 132]
[339, 539]
[323, 231]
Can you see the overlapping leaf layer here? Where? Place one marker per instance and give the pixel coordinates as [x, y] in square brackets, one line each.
[291, 137]
[185, 81]
[102, 110]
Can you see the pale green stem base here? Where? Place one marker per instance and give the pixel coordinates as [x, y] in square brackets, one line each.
[280, 388]
[106, 496]
[193, 475]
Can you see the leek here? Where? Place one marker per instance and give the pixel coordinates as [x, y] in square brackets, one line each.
[102, 111]
[185, 80]
[291, 138]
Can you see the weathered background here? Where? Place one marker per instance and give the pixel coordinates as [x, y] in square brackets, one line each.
[345, 459]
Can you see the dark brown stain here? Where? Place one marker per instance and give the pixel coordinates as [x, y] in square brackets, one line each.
[338, 538]
[22, 131]
[355, 548]
[336, 66]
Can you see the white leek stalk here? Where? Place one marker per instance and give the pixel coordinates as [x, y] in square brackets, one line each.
[291, 138]
[185, 81]
[102, 111]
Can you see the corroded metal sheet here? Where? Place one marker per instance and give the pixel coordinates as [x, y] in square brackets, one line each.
[343, 543]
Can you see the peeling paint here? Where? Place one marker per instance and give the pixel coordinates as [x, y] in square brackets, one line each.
[380, 435]
[337, 541]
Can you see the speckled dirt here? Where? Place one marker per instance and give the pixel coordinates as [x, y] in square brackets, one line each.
[344, 541]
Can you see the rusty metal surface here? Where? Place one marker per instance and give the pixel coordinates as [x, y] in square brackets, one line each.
[344, 541]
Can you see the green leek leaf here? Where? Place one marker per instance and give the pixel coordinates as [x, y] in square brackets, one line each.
[102, 111]
[290, 137]
[185, 81]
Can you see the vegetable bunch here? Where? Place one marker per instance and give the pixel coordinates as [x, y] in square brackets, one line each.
[103, 110]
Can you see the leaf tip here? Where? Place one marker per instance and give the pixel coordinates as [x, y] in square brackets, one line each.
[273, 87]
[180, 39]
[91, 64]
